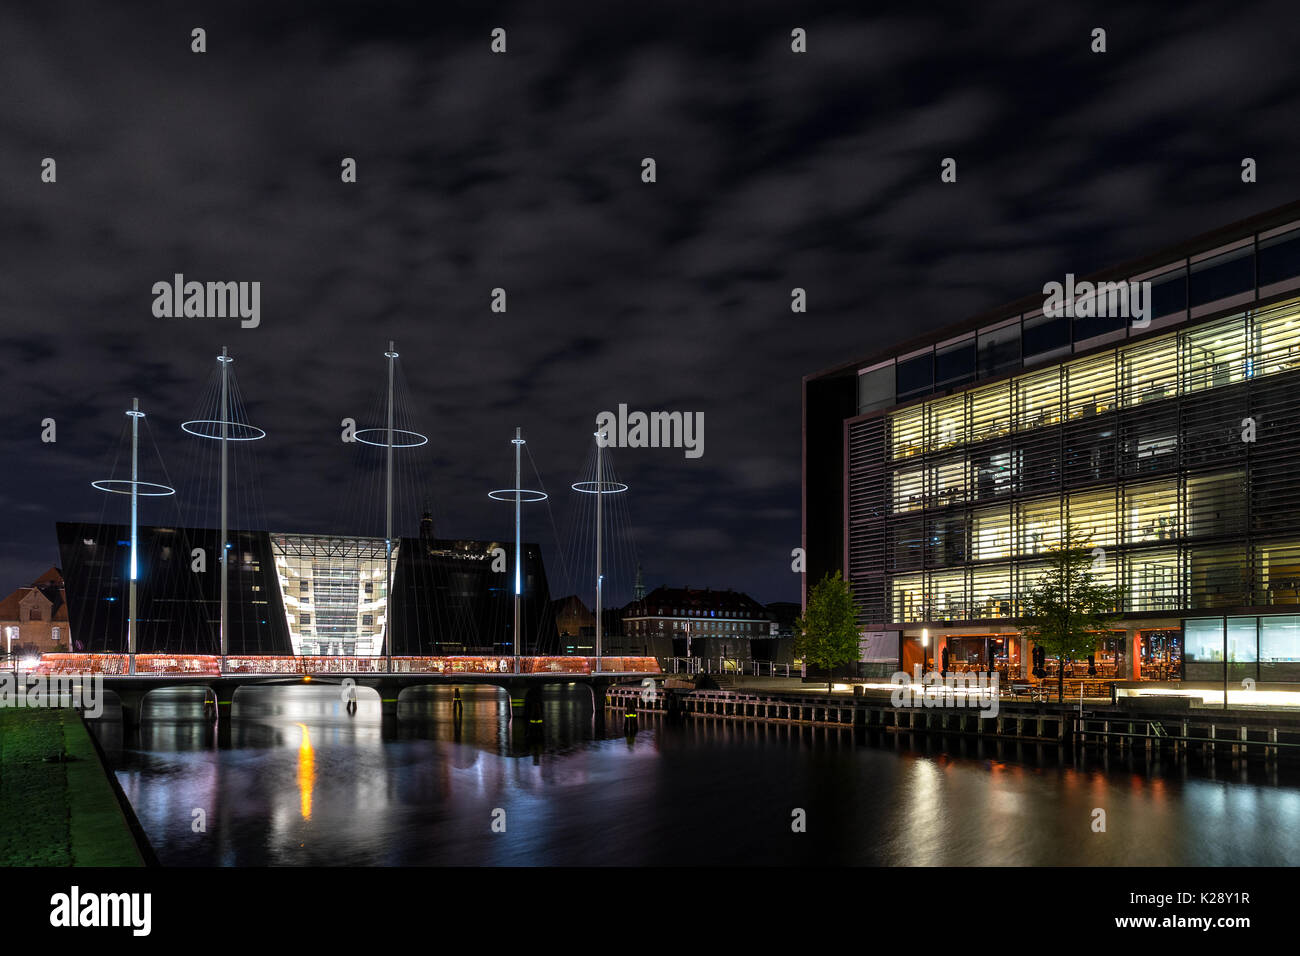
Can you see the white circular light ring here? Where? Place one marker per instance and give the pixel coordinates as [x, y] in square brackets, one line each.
[508, 494]
[599, 487]
[424, 439]
[104, 483]
[185, 427]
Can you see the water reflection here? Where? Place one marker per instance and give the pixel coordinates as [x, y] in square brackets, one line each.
[306, 782]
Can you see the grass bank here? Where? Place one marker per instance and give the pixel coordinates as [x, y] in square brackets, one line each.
[57, 812]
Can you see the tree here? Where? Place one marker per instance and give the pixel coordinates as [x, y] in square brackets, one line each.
[827, 633]
[1068, 606]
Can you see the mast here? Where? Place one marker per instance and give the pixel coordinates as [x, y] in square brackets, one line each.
[516, 494]
[518, 442]
[131, 625]
[225, 360]
[600, 578]
[391, 355]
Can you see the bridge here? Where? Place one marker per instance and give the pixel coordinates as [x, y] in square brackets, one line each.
[523, 678]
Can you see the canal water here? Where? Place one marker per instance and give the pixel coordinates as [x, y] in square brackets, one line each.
[306, 784]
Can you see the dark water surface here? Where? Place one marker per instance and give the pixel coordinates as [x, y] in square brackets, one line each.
[305, 783]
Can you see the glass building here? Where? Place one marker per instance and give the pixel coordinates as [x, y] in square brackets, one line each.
[302, 594]
[939, 474]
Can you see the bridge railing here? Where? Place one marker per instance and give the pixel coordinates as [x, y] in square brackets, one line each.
[725, 665]
[116, 665]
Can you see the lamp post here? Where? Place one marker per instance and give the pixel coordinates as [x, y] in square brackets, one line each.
[925, 647]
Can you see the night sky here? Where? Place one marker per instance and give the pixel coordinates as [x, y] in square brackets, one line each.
[523, 171]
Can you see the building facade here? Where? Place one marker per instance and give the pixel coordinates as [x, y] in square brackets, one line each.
[297, 594]
[938, 475]
[697, 622]
[34, 619]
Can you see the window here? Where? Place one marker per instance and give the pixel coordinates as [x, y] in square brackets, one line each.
[915, 376]
[907, 432]
[991, 534]
[990, 412]
[1168, 293]
[947, 423]
[1203, 648]
[304, 620]
[991, 592]
[1279, 647]
[1279, 258]
[1149, 372]
[1090, 386]
[1040, 526]
[1222, 276]
[876, 388]
[999, 349]
[1214, 355]
[1092, 517]
[54, 634]
[1155, 581]
[367, 620]
[1278, 340]
[1038, 399]
[34, 614]
[1151, 514]
[954, 364]
[1044, 336]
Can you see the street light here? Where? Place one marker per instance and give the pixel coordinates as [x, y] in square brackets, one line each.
[925, 646]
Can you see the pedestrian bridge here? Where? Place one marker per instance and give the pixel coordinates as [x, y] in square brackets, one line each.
[522, 678]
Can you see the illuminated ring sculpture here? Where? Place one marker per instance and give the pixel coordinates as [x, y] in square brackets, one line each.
[424, 439]
[508, 494]
[599, 487]
[103, 484]
[185, 427]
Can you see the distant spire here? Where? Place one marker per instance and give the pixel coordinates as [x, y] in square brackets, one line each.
[638, 592]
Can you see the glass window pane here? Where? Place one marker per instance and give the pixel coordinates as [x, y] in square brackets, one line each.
[1040, 526]
[1279, 639]
[1242, 640]
[907, 432]
[1214, 355]
[1229, 274]
[1151, 513]
[1155, 581]
[946, 423]
[915, 376]
[991, 534]
[1278, 337]
[1203, 648]
[1043, 335]
[875, 389]
[1149, 372]
[1279, 258]
[1169, 293]
[1092, 517]
[990, 412]
[999, 350]
[1090, 386]
[955, 364]
[1038, 399]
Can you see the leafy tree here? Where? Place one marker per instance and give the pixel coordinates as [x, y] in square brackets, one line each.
[1068, 606]
[827, 633]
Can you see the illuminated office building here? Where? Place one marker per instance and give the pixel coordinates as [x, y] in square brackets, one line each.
[940, 472]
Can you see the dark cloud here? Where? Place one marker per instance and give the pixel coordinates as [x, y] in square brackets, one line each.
[476, 171]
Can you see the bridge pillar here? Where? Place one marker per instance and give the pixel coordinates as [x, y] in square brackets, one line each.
[132, 712]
